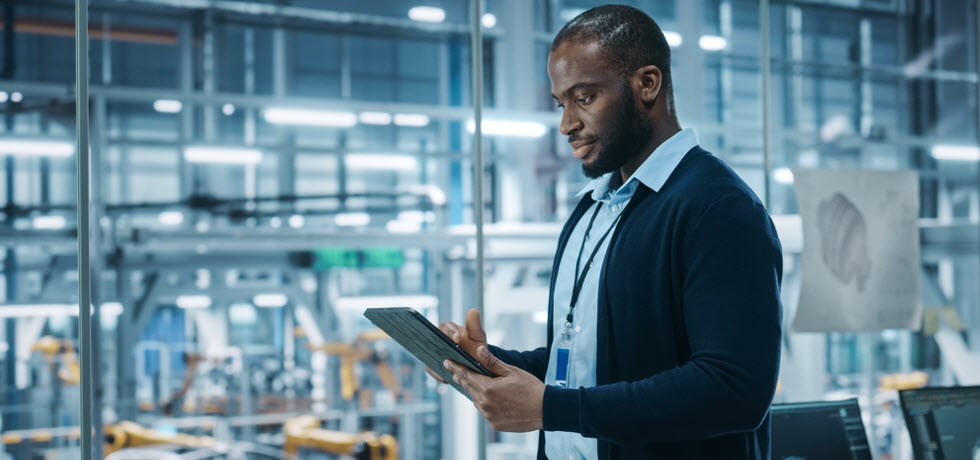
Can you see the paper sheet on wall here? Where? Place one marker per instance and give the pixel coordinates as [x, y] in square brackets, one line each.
[860, 263]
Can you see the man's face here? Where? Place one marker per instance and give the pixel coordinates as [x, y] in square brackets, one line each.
[604, 125]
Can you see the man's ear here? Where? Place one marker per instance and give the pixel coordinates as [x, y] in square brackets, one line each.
[650, 79]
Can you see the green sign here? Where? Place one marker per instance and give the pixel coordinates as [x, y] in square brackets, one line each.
[380, 257]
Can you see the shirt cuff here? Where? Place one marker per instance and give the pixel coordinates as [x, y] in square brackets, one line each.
[559, 410]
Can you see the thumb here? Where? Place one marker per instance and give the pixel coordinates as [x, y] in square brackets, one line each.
[474, 328]
[491, 362]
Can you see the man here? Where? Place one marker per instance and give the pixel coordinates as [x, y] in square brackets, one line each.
[664, 317]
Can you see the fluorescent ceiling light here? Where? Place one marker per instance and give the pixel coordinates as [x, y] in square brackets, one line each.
[956, 152]
[53, 310]
[16, 97]
[228, 109]
[296, 221]
[385, 162]
[193, 301]
[712, 43]
[436, 195]
[674, 39]
[352, 219]
[36, 148]
[4, 97]
[783, 175]
[223, 155]
[488, 20]
[411, 119]
[270, 300]
[49, 222]
[401, 226]
[427, 14]
[171, 218]
[540, 317]
[242, 313]
[416, 216]
[360, 303]
[510, 128]
[167, 106]
[375, 118]
[286, 116]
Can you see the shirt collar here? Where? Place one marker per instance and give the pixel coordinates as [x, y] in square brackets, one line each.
[655, 169]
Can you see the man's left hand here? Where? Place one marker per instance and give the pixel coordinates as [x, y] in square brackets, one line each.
[510, 402]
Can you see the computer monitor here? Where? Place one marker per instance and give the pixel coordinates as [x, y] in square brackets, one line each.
[823, 430]
[944, 422]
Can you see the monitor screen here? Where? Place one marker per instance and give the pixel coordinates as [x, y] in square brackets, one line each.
[825, 430]
[944, 422]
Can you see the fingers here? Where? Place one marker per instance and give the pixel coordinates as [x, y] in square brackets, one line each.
[466, 379]
[474, 329]
[452, 330]
[433, 374]
[491, 362]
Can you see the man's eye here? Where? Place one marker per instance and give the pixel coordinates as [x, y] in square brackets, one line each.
[585, 100]
[560, 106]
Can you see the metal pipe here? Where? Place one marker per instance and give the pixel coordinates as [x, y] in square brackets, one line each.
[766, 116]
[976, 49]
[84, 270]
[476, 47]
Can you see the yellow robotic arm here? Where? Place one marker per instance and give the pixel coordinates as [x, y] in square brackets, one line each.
[305, 433]
[128, 434]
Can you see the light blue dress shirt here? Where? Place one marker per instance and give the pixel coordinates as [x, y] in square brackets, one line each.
[652, 173]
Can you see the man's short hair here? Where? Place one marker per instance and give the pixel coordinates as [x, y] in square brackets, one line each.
[628, 37]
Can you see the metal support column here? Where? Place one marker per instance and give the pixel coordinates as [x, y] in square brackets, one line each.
[476, 47]
[766, 116]
[84, 272]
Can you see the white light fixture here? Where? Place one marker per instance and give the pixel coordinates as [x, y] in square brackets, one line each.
[416, 120]
[416, 216]
[427, 14]
[36, 148]
[402, 226]
[540, 317]
[956, 152]
[275, 222]
[352, 219]
[305, 117]
[4, 97]
[52, 310]
[436, 195]
[167, 106]
[270, 300]
[242, 314]
[380, 162]
[49, 222]
[171, 218]
[783, 175]
[360, 303]
[674, 39]
[375, 118]
[510, 128]
[193, 301]
[296, 221]
[712, 43]
[488, 20]
[228, 109]
[16, 96]
[223, 155]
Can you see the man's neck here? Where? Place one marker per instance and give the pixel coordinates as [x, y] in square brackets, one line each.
[660, 136]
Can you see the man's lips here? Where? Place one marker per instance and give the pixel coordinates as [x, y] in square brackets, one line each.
[581, 148]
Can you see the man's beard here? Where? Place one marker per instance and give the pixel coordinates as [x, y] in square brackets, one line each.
[631, 132]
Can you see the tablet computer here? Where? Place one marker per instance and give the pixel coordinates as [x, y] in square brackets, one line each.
[424, 341]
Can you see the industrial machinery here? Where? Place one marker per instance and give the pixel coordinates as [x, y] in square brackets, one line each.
[352, 354]
[57, 350]
[305, 433]
[128, 434]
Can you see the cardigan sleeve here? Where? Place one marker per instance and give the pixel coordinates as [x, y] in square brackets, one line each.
[731, 271]
[534, 362]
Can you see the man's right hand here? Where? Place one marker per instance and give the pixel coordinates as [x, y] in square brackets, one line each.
[469, 338]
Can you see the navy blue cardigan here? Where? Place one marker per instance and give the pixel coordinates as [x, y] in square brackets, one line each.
[689, 324]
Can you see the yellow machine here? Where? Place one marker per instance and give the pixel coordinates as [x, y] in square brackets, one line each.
[128, 434]
[351, 354]
[55, 349]
[305, 433]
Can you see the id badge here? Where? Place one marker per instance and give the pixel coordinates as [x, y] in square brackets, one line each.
[561, 368]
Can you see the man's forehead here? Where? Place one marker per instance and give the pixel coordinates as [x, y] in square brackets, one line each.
[576, 62]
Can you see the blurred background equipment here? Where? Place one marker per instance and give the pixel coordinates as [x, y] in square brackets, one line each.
[264, 171]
